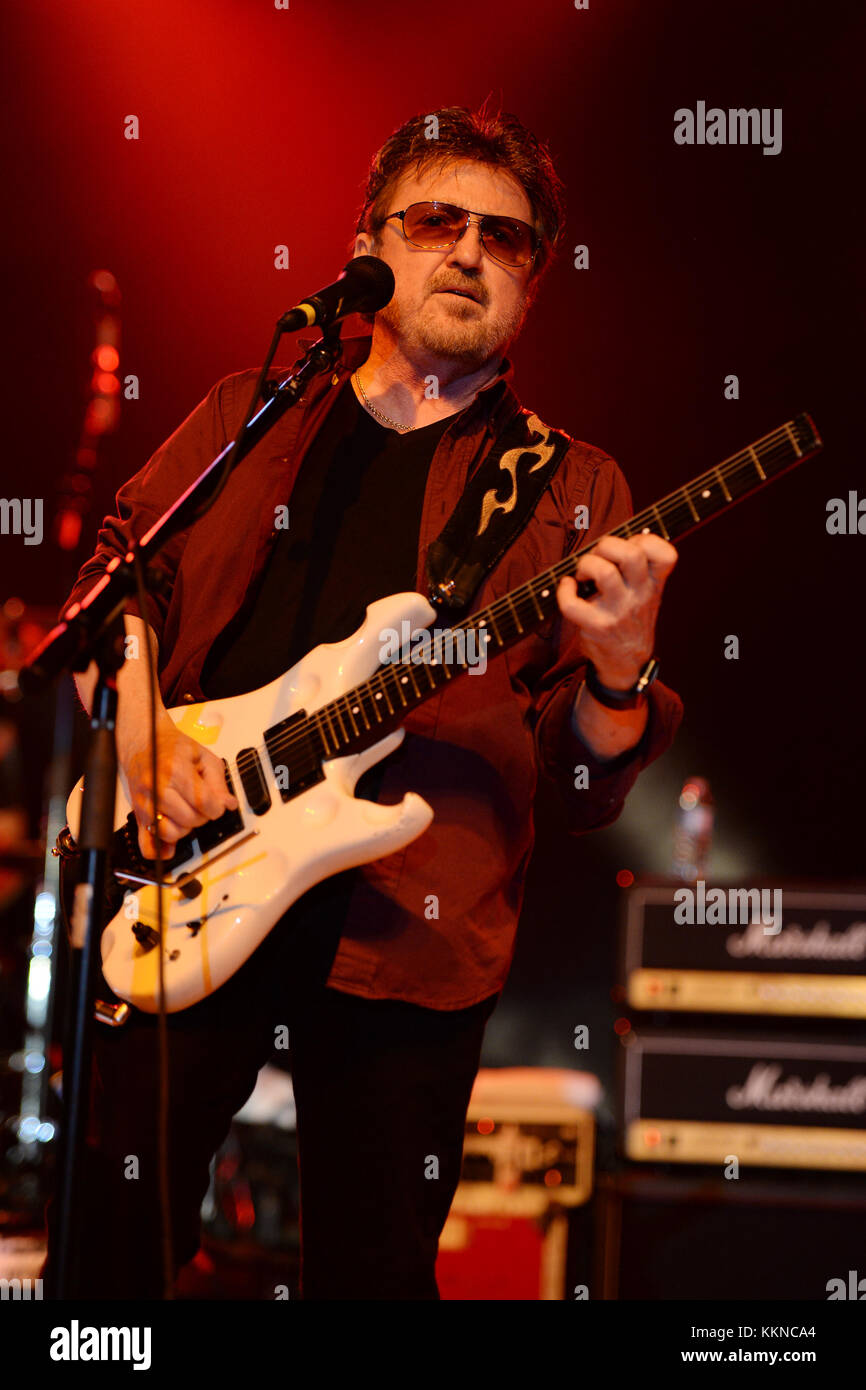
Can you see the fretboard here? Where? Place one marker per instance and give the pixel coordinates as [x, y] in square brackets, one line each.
[379, 704]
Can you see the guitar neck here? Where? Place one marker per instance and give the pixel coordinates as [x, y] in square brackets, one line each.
[380, 703]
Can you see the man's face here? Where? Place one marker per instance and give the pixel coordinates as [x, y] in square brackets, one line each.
[426, 313]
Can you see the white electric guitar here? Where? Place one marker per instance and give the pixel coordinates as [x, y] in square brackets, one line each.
[295, 749]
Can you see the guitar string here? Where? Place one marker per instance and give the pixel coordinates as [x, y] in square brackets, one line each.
[350, 702]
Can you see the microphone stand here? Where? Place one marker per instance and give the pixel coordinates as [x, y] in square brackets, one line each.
[94, 836]
[93, 630]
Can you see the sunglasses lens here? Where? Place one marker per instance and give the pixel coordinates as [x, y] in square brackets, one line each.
[433, 224]
[509, 242]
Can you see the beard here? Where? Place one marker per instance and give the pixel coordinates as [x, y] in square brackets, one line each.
[463, 333]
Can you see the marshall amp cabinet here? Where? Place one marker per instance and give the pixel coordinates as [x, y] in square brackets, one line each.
[681, 1236]
[681, 1220]
[708, 948]
[689, 1098]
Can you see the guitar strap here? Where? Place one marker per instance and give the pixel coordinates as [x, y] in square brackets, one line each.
[494, 507]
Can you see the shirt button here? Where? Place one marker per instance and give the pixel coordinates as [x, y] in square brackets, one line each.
[188, 699]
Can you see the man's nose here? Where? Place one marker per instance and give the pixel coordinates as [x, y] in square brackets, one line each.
[468, 249]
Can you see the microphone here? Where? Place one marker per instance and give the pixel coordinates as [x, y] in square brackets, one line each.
[365, 286]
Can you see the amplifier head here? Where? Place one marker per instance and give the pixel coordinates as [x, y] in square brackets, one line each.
[734, 949]
[744, 1101]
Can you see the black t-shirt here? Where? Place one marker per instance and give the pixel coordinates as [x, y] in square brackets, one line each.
[354, 518]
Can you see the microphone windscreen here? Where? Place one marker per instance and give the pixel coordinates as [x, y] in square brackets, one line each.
[372, 283]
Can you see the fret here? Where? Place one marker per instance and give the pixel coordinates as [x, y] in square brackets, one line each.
[481, 628]
[680, 518]
[510, 603]
[661, 523]
[359, 709]
[439, 654]
[383, 693]
[410, 678]
[538, 608]
[320, 727]
[350, 715]
[757, 463]
[336, 707]
[523, 609]
[334, 739]
[497, 634]
[442, 666]
[331, 729]
[723, 485]
[692, 507]
[377, 695]
[398, 686]
[625, 530]
[741, 479]
[646, 531]
[793, 440]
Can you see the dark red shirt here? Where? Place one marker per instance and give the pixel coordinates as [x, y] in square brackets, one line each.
[433, 924]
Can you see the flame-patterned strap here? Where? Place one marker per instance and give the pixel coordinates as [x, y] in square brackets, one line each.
[496, 504]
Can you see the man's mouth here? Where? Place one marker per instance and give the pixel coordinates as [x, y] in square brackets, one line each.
[462, 294]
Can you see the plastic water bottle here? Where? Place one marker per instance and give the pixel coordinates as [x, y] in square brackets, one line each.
[693, 833]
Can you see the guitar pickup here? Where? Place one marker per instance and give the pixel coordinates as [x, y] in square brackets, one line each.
[249, 766]
[295, 762]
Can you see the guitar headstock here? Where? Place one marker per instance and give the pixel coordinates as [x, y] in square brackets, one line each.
[807, 437]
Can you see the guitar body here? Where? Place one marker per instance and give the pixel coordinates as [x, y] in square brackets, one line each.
[220, 904]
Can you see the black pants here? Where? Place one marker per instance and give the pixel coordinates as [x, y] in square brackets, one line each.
[381, 1090]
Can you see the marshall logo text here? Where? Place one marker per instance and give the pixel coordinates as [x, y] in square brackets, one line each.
[764, 1090]
[801, 943]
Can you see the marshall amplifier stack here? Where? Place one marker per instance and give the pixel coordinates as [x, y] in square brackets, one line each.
[742, 1078]
[742, 1042]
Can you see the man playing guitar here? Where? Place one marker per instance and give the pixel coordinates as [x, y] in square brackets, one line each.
[385, 974]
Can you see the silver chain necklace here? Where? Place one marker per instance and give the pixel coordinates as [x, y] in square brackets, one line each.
[380, 415]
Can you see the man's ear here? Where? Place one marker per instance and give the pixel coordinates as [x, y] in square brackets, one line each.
[531, 291]
[362, 244]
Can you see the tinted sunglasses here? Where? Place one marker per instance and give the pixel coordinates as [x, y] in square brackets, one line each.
[435, 226]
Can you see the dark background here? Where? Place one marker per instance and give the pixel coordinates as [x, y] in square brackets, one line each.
[256, 128]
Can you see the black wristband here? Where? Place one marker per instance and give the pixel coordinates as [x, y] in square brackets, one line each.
[621, 699]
